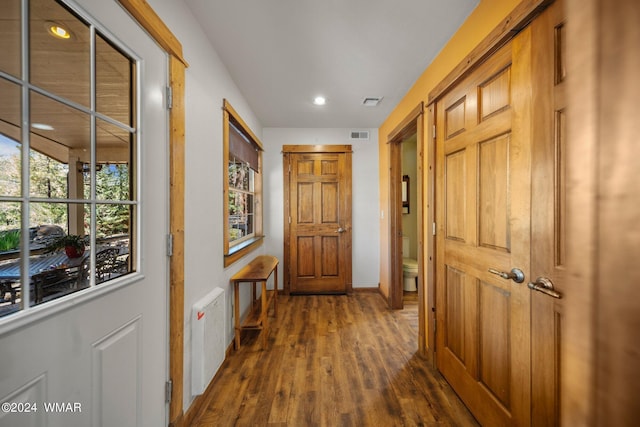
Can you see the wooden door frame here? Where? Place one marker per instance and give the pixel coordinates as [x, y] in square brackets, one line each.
[158, 30]
[317, 149]
[411, 124]
[599, 382]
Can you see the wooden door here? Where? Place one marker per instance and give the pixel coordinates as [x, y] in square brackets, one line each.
[483, 222]
[548, 235]
[318, 219]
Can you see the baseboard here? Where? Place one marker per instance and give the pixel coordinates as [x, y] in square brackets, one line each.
[367, 290]
[200, 403]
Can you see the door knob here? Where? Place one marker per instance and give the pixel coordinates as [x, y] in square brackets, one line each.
[544, 285]
[340, 230]
[515, 274]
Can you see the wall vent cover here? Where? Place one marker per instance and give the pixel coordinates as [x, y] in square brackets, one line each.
[359, 135]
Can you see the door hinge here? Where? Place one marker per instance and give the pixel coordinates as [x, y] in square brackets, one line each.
[169, 97]
[434, 229]
[169, 244]
[289, 219]
[434, 131]
[168, 391]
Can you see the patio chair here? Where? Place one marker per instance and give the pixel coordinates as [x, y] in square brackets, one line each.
[106, 263]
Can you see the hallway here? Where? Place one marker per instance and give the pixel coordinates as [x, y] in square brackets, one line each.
[333, 361]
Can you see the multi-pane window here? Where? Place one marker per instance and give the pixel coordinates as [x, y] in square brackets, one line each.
[243, 222]
[68, 203]
[241, 194]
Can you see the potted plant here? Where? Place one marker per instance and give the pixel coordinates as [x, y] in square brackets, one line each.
[73, 245]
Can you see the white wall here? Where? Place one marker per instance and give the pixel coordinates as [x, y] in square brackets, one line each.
[366, 206]
[207, 83]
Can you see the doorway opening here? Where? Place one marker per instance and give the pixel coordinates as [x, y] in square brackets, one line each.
[407, 218]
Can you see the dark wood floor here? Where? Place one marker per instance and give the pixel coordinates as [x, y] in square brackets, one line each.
[334, 361]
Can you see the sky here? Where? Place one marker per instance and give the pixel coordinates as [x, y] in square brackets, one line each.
[8, 146]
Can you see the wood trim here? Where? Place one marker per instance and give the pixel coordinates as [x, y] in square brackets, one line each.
[395, 296]
[150, 21]
[412, 123]
[235, 256]
[517, 20]
[317, 149]
[230, 115]
[407, 126]
[422, 307]
[286, 269]
[600, 376]
[429, 256]
[245, 127]
[176, 227]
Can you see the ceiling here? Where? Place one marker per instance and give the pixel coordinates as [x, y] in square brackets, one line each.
[283, 53]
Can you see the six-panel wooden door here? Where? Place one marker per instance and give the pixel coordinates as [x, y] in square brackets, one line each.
[483, 195]
[318, 219]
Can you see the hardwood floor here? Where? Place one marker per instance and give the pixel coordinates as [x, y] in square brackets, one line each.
[333, 361]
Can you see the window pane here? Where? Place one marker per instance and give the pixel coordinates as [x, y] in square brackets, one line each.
[113, 82]
[114, 159]
[10, 137]
[58, 268]
[240, 215]
[65, 139]
[114, 241]
[10, 37]
[10, 167]
[59, 51]
[9, 258]
[239, 174]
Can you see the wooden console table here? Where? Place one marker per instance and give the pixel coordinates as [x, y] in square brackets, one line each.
[257, 270]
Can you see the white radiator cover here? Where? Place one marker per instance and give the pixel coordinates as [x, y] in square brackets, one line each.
[207, 339]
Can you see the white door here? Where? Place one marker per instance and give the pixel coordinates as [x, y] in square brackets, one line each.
[99, 356]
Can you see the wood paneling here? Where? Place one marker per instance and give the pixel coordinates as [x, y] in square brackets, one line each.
[455, 117]
[495, 345]
[494, 95]
[493, 189]
[455, 195]
[455, 316]
[304, 207]
[329, 203]
[306, 257]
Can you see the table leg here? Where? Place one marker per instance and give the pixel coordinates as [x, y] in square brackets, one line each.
[265, 314]
[236, 309]
[275, 290]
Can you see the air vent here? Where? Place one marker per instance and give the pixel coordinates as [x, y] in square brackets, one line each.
[359, 135]
[371, 101]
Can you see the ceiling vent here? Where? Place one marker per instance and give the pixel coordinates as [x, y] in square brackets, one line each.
[371, 101]
[361, 135]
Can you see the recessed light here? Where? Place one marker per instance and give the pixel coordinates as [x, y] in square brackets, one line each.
[57, 30]
[41, 126]
[372, 101]
[320, 100]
